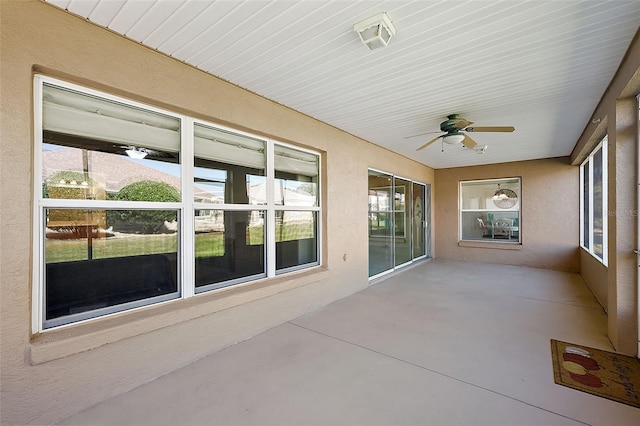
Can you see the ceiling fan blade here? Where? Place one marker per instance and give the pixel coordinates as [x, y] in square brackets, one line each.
[461, 123]
[421, 134]
[429, 143]
[490, 129]
[468, 142]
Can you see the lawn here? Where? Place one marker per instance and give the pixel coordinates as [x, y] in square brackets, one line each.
[209, 244]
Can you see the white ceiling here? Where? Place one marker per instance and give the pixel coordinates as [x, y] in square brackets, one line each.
[541, 66]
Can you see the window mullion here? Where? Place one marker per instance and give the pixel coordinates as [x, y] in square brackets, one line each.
[37, 300]
[582, 201]
[605, 206]
[186, 251]
[591, 213]
[271, 212]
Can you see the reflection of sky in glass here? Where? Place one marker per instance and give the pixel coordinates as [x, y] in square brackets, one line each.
[214, 182]
[50, 147]
[210, 174]
[257, 189]
[295, 193]
[172, 169]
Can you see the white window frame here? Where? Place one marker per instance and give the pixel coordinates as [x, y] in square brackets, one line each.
[185, 208]
[462, 210]
[589, 203]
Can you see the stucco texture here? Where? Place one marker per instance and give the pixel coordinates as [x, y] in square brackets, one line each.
[616, 285]
[48, 376]
[549, 224]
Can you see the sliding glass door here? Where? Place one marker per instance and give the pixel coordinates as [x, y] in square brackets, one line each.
[421, 213]
[402, 220]
[398, 219]
[380, 223]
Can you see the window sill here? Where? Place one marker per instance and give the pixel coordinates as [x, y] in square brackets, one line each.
[496, 245]
[66, 341]
[596, 257]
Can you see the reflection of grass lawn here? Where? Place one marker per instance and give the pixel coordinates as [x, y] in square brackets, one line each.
[207, 244]
[131, 245]
[211, 244]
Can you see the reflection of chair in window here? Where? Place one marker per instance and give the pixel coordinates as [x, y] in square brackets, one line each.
[484, 229]
[501, 228]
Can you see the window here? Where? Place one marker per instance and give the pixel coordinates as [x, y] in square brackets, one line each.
[593, 202]
[490, 210]
[136, 205]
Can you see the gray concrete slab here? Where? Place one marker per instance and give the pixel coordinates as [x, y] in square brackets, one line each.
[442, 343]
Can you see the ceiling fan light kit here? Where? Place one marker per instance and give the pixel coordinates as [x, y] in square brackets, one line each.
[453, 138]
[375, 32]
[136, 153]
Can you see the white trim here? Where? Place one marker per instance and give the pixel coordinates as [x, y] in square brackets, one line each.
[581, 215]
[270, 222]
[590, 205]
[62, 203]
[602, 146]
[37, 302]
[516, 209]
[605, 200]
[186, 248]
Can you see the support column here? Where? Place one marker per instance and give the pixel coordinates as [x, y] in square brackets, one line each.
[622, 197]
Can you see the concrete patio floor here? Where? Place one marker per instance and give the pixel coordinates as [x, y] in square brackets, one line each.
[441, 343]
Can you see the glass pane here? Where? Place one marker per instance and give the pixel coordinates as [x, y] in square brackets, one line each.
[380, 223]
[229, 245]
[586, 218]
[92, 263]
[490, 225]
[402, 221]
[229, 167]
[490, 210]
[93, 148]
[597, 203]
[296, 177]
[490, 195]
[418, 217]
[296, 238]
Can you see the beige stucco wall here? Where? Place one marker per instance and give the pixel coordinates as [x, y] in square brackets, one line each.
[594, 274]
[50, 376]
[549, 215]
[616, 286]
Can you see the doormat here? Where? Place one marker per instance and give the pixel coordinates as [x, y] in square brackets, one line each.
[605, 374]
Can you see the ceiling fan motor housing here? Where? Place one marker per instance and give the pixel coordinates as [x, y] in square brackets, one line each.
[452, 123]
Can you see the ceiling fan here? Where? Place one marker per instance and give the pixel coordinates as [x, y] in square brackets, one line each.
[455, 128]
[139, 153]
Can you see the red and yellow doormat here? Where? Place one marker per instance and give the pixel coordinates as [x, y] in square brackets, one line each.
[606, 374]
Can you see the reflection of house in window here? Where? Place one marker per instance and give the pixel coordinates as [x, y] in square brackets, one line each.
[379, 211]
[108, 172]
